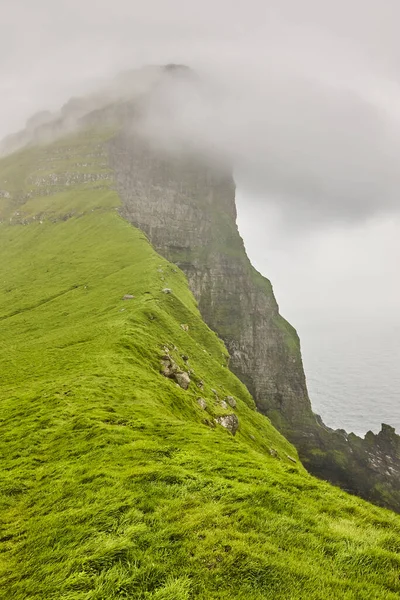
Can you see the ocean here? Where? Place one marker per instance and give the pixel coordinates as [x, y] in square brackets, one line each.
[352, 366]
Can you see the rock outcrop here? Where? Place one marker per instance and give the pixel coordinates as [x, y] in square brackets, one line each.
[230, 422]
[170, 369]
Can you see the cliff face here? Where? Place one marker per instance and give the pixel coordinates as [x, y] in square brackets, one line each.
[187, 209]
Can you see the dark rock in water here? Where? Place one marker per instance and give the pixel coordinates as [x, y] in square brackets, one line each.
[230, 422]
[368, 467]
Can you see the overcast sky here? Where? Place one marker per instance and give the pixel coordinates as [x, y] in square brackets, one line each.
[309, 113]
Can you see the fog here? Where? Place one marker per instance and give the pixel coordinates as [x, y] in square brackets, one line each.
[303, 98]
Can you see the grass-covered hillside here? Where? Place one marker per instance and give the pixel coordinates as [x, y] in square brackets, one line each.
[115, 482]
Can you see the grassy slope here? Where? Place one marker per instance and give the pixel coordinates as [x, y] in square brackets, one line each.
[112, 484]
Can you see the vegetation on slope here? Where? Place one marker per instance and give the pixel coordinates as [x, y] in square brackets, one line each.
[114, 482]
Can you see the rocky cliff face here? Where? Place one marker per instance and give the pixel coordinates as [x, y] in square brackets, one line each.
[186, 206]
[187, 209]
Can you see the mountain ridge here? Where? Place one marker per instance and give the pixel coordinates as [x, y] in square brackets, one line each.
[118, 481]
[184, 200]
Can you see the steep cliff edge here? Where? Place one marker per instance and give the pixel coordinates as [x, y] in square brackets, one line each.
[186, 206]
[188, 211]
[185, 203]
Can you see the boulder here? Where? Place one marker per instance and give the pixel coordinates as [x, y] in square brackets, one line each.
[167, 291]
[231, 401]
[202, 403]
[182, 379]
[230, 422]
[223, 404]
[168, 366]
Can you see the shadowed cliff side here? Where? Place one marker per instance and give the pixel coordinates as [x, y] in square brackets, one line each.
[187, 209]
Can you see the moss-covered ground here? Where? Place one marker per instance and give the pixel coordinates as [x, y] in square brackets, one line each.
[114, 482]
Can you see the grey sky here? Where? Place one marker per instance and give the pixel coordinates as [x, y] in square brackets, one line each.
[311, 112]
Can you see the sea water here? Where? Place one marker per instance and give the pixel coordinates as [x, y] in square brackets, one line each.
[352, 365]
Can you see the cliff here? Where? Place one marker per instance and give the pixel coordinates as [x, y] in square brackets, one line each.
[188, 211]
[185, 203]
[186, 207]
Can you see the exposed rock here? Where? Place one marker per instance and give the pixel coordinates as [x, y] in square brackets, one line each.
[185, 327]
[223, 404]
[168, 366]
[202, 403]
[230, 422]
[291, 458]
[128, 297]
[200, 384]
[167, 291]
[170, 369]
[182, 379]
[273, 452]
[185, 357]
[231, 401]
[171, 198]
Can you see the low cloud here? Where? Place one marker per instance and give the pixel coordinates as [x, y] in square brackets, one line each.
[303, 98]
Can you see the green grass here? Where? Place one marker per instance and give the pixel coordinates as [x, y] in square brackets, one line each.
[114, 483]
